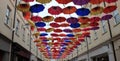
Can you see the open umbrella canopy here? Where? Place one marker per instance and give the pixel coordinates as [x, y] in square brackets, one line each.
[64, 1]
[74, 25]
[27, 15]
[43, 1]
[36, 18]
[80, 2]
[28, 0]
[106, 17]
[40, 24]
[37, 8]
[48, 18]
[69, 10]
[24, 7]
[83, 20]
[96, 1]
[109, 9]
[72, 20]
[55, 10]
[82, 12]
[59, 19]
[111, 1]
[96, 10]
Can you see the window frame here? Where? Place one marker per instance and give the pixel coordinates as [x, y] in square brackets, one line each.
[7, 16]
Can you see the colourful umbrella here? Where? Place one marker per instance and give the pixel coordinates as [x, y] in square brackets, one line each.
[59, 19]
[94, 24]
[95, 19]
[94, 28]
[55, 25]
[75, 25]
[72, 20]
[48, 18]
[57, 30]
[110, 1]
[54, 34]
[82, 11]
[109, 9]
[49, 30]
[64, 25]
[37, 8]
[76, 30]
[64, 1]
[96, 1]
[43, 1]
[67, 30]
[24, 7]
[106, 17]
[84, 25]
[55, 10]
[69, 10]
[43, 34]
[26, 15]
[96, 10]
[80, 2]
[41, 29]
[62, 35]
[36, 18]
[40, 24]
[28, 0]
[83, 20]
[70, 35]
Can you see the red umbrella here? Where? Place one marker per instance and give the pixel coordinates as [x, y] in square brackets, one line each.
[55, 25]
[64, 1]
[83, 20]
[60, 19]
[69, 10]
[94, 19]
[54, 34]
[57, 30]
[94, 24]
[62, 35]
[109, 9]
[28, 0]
[110, 1]
[55, 10]
[36, 18]
[64, 25]
[76, 30]
[41, 29]
[96, 1]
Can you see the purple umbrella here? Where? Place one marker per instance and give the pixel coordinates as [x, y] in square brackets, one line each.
[80, 2]
[106, 17]
[67, 30]
[72, 20]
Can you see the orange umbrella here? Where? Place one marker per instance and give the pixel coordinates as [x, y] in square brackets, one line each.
[24, 7]
[48, 18]
[43, 1]
[96, 1]
[60, 19]
[69, 10]
[76, 30]
[26, 15]
[83, 20]
[64, 25]
[109, 9]
[96, 10]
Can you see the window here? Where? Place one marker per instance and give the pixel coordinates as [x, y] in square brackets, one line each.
[116, 16]
[23, 35]
[7, 20]
[104, 26]
[95, 35]
[17, 26]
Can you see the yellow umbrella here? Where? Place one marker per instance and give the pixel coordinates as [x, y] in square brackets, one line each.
[96, 10]
[36, 34]
[84, 25]
[31, 23]
[24, 7]
[43, 1]
[49, 30]
[48, 18]
[37, 40]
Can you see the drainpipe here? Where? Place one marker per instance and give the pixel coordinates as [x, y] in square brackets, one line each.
[87, 48]
[111, 36]
[13, 31]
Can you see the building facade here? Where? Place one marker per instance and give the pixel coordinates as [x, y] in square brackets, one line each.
[104, 44]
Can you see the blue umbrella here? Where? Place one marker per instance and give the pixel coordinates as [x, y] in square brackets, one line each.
[82, 12]
[70, 35]
[40, 24]
[75, 25]
[44, 34]
[37, 8]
